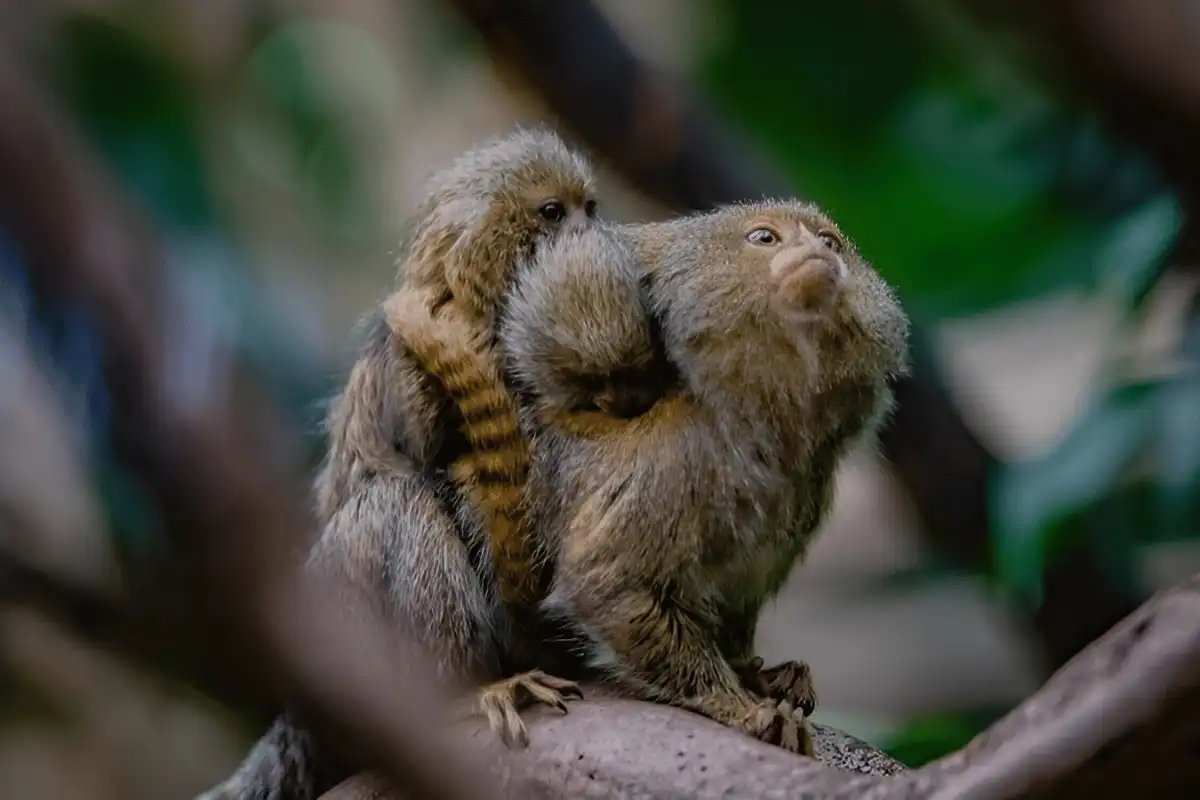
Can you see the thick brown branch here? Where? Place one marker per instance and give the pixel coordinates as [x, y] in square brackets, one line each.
[1119, 720]
[1122, 719]
[613, 748]
[1140, 61]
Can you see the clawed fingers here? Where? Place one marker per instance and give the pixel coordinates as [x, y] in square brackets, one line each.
[779, 724]
[794, 733]
[790, 681]
[561, 685]
[546, 689]
[503, 719]
[789, 738]
[546, 695]
[500, 702]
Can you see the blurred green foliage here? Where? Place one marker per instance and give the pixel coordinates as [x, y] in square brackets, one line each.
[935, 736]
[971, 193]
[140, 110]
[966, 197]
[295, 119]
[145, 117]
[1089, 485]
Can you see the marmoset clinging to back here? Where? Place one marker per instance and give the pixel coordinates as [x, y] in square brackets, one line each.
[378, 497]
[481, 214]
[672, 529]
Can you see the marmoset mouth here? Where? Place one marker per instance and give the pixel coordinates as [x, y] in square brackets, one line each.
[798, 258]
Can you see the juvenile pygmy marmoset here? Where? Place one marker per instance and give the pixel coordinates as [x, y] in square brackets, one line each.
[489, 208]
[392, 531]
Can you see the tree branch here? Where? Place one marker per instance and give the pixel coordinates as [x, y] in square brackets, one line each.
[1140, 62]
[1122, 719]
[616, 748]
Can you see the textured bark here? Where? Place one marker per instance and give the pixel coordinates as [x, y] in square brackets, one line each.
[1122, 719]
[610, 747]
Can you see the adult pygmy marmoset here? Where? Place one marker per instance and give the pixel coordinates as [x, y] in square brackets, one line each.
[671, 530]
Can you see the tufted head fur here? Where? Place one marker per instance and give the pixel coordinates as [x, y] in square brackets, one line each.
[591, 362]
[776, 292]
[491, 205]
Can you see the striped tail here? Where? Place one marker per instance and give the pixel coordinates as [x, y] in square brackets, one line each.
[495, 472]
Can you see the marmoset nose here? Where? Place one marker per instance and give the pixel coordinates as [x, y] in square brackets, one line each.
[822, 247]
[810, 275]
[575, 222]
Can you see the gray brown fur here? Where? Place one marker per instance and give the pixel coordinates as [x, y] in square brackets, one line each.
[482, 215]
[581, 342]
[285, 764]
[393, 536]
[392, 523]
[674, 528]
[478, 215]
[671, 529]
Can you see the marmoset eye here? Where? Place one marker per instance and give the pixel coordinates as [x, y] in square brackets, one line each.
[830, 240]
[763, 236]
[552, 211]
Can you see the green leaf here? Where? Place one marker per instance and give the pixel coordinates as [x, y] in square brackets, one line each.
[1179, 452]
[1134, 255]
[138, 106]
[1034, 503]
[965, 197]
[302, 119]
[133, 520]
[819, 85]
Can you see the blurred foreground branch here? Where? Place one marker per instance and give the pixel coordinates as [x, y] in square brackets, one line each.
[1122, 719]
[84, 611]
[195, 448]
